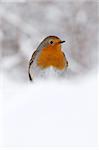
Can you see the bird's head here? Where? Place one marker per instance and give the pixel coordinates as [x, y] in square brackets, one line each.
[51, 42]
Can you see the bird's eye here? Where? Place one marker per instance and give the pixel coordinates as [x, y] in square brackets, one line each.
[51, 42]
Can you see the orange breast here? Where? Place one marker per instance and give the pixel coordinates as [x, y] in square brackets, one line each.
[51, 57]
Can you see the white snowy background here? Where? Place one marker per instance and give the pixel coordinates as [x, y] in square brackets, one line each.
[55, 111]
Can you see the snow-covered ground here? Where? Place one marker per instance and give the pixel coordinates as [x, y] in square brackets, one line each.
[49, 112]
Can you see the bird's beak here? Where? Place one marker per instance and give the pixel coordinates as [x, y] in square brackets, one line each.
[61, 41]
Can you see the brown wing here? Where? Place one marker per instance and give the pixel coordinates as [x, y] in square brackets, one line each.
[65, 60]
[30, 63]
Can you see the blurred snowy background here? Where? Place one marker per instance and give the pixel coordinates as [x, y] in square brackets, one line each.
[24, 25]
[48, 113]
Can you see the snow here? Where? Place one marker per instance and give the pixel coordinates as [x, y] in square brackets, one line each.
[49, 112]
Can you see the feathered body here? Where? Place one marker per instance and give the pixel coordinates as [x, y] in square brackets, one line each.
[48, 54]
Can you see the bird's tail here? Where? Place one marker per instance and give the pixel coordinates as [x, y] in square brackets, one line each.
[30, 78]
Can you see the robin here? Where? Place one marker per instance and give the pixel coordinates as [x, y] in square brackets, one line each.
[48, 54]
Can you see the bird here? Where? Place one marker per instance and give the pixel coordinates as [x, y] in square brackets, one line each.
[48, 54]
